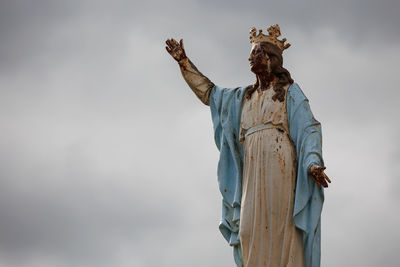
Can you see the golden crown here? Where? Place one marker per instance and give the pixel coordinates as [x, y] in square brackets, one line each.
[273, 33]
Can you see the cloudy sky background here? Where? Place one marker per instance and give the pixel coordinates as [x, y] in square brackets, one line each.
[107, 158]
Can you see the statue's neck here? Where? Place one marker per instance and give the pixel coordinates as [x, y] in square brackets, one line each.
[265, 80]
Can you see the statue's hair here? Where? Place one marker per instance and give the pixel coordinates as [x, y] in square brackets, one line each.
[277, 70]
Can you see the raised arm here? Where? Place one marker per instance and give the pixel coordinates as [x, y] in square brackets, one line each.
[199, 83]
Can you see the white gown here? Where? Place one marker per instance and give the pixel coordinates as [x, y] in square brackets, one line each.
[267, 231]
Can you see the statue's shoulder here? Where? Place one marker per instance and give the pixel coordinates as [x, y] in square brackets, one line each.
[295, 94]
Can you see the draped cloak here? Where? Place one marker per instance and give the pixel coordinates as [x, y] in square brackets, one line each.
[305, 133]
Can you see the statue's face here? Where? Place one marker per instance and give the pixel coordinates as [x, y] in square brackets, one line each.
[259, 59]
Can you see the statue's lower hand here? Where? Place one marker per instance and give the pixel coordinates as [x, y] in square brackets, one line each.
[175, 49]
[318, 175]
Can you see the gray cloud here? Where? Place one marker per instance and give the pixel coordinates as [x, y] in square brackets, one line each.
[107, 158]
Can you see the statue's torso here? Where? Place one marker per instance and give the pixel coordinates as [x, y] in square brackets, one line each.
[267, 231]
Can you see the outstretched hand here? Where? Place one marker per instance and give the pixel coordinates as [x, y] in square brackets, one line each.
[318, 175]
[175, 49]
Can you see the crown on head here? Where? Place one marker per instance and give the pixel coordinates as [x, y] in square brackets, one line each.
[274, 32]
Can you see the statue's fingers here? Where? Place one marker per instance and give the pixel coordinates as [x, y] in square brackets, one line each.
[323, 176]
[181, 44]
[174, 41]
[324, 183]
[168, 42]
[316, 180]
[326, 177]
[168, 49]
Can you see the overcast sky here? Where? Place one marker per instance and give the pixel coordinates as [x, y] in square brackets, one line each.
[108, 159]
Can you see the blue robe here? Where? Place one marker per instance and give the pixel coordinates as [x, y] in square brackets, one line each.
[305, 132]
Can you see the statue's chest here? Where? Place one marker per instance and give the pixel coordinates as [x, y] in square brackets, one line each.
[262, 109]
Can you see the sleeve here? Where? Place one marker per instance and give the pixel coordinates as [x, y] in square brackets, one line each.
[199, 83]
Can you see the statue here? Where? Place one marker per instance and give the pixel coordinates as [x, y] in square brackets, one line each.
[270, 171]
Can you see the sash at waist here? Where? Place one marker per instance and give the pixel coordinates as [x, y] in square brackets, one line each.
[263, 127]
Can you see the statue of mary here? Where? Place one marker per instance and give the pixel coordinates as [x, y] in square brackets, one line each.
[270, 171]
